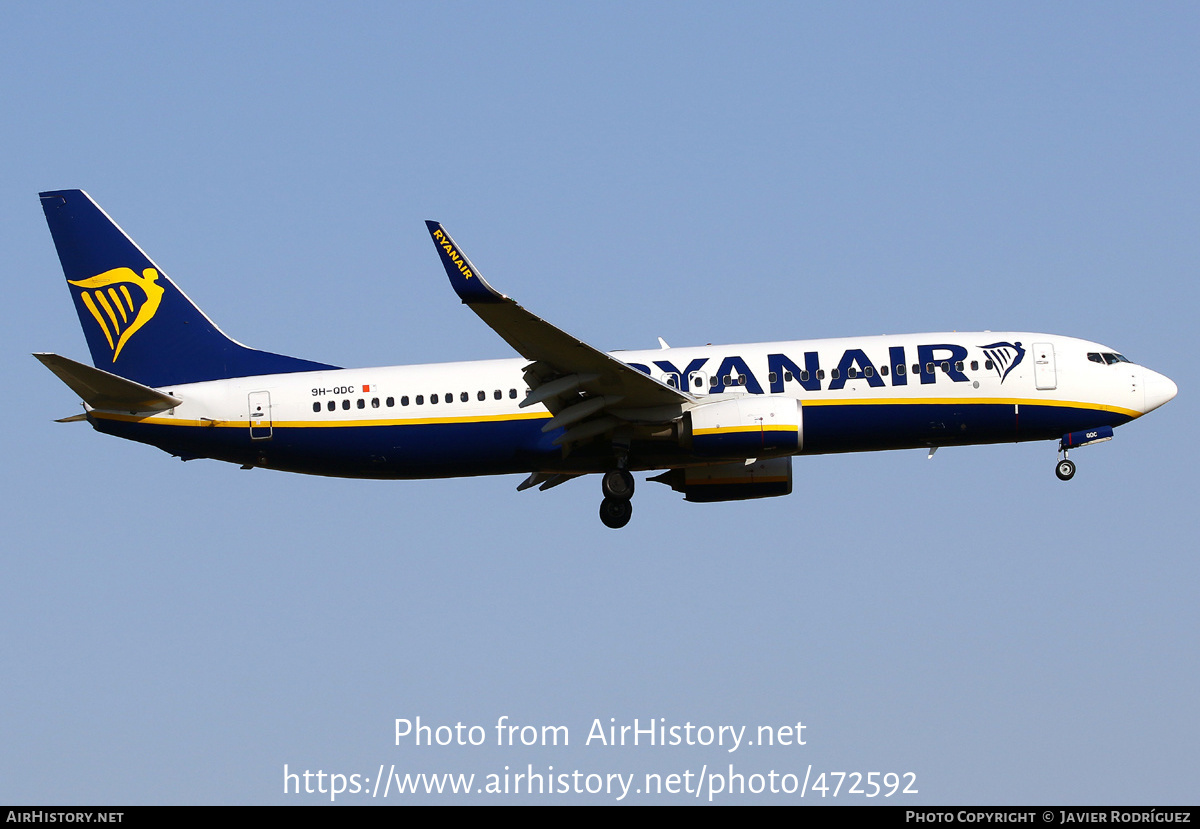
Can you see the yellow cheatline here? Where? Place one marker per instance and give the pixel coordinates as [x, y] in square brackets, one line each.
[335, 424]
[971, 401]
[755, 428]
[320, 424]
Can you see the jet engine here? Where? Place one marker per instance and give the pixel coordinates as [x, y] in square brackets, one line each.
[737, 481]
[746, 426]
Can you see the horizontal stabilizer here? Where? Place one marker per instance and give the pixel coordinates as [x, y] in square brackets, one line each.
[103, 390]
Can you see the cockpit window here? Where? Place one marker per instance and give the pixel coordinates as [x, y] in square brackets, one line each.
[1108, 357]
[1095, 357]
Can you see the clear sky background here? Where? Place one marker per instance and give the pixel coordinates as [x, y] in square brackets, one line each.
[176, 633]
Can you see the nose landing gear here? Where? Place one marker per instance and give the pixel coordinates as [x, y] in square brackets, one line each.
[616, 509]
[1065, 469]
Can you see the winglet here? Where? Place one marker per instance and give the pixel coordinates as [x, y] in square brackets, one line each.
[468, 284]
[566, 364]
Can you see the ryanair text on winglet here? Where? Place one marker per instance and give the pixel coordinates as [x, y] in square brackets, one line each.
[445, 244]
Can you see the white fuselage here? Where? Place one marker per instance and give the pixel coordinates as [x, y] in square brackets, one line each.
[858, 393]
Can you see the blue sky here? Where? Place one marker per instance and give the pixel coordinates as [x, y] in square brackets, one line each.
[177, 633]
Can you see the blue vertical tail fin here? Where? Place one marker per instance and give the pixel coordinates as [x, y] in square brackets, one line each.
[138, 324]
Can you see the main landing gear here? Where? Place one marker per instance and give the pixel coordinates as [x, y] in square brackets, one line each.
[616, 508]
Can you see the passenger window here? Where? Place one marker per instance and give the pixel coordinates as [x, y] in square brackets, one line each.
[499, 395]
[464, 397]
[929, 368]
[331, 405]
[374, 402]
[512, 394]
[868, 372]
[346, 404]
[821, 373]
[362, 404]
[316, 407]
[433, 399]
[804, 376]
[448, 397]
[834, 374]
[883, 371]
[989, 365]
[916, 368]
[974, 365]
[958, 366]
[742, 380]
[725, 380]
[901, 369]
[712, 381]
[420, 399]
[482, 395]
[852, 372]
[772, 377]
[787, 376]
[945, 367]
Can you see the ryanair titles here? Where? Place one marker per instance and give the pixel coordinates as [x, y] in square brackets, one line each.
[457, 259]
[946, 359]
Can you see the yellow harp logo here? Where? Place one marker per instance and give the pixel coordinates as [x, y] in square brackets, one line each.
[119, 315]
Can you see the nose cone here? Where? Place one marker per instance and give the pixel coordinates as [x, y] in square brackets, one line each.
[1159, 389]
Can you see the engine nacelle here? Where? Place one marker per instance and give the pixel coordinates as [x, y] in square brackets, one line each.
[746, 426]
[731, 481]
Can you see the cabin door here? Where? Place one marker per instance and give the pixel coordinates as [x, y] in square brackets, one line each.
[1044, 375]
[260, 415]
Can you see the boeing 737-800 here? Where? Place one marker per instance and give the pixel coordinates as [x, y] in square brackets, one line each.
[721, 422]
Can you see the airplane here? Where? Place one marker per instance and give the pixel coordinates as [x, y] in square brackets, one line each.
[717, 422]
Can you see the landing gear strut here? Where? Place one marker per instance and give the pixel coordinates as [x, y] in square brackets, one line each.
[616, 509]
[1065, 470]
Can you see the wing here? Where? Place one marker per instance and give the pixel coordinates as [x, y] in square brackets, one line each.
[589, 392]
